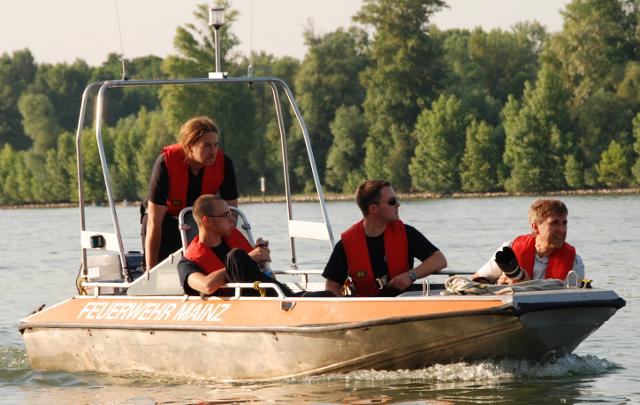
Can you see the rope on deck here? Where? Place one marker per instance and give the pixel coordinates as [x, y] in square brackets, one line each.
[458, 285]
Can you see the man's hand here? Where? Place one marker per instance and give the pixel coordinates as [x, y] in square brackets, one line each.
[401, 281]
[504, 280]
[262, 242]
[261, 253]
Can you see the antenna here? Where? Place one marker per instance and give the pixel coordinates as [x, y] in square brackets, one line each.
[124, 70]
[250, 67]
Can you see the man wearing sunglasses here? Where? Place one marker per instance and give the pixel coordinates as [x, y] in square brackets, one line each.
[377, 252]
[220, 253]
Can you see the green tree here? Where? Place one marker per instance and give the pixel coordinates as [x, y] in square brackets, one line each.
[264, 156]
[39, 121]
[156, 136]
[636, 147]
[24, 179]
[326, 80]
[596, 55]
[17, 71]
[127, 139]
[405, 74]
[537, 136]
[7, 166]
[60, 167]
[484, 68]
[93, 179]
[597, 39]
[57, 186]
[344, 162]
[63, 84]
[38, 179]
[602, 117]
[122, 102]
[17, 182]
[574, 172]
[482, 155]
[613, 168]
[440, 134]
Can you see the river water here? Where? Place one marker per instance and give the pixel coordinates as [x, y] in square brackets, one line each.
[40, 259]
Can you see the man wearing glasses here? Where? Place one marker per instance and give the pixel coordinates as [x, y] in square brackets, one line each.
[377, 252]
[220, 253]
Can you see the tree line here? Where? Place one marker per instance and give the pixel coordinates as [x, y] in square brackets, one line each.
[392, 96]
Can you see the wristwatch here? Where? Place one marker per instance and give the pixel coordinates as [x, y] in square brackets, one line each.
[412, 275]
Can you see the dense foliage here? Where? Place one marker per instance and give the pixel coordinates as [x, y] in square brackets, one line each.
[391, 96]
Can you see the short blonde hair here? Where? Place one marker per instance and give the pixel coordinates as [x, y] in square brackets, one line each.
[542, 209]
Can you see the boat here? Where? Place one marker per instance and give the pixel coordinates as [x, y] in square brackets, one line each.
[124, 319]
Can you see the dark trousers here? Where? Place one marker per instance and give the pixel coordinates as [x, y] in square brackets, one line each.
[242, 269]
[170, 237]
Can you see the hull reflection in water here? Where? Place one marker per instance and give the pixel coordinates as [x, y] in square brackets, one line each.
[273, 338]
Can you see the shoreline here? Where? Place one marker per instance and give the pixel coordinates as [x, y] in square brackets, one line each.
[349, 197]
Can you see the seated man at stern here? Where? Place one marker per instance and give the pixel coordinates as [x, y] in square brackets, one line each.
[219, 246]
[541, 254]
[377, 252]
[220, 253]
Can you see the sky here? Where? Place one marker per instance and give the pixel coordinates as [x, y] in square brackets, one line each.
[64, 30]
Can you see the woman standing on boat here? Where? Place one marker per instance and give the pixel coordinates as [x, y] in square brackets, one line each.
[182, 173]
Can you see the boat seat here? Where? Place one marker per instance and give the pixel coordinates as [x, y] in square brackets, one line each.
[187, 226]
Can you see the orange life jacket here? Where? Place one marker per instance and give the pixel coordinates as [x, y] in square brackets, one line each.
[206, 259]
[178, 170]
[560, 261]
[396, 250]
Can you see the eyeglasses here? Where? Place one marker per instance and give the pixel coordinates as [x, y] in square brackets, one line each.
[393, 201]
[225, 215]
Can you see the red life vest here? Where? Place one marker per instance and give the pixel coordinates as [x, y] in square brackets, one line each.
[206, 259]
[396, 250]
[178, 170]
[560, 261]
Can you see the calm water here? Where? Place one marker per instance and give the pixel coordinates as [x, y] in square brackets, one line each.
[40, 250]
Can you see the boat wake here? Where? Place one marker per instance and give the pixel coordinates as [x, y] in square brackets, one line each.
[13, 363]
[12, 358]
[485, 371]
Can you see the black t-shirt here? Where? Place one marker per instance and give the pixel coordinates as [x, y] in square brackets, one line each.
[159, 184]
[419, 248]
[186, 267]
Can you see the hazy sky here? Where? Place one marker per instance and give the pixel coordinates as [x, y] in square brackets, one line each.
[63, 30]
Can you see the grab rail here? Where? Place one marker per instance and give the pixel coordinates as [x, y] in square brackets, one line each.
[238, 287]
[273, 82]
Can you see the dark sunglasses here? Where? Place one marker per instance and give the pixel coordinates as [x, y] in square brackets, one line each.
[393, 201]
[225, 215]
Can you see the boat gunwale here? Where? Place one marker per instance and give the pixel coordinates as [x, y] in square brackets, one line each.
[507, 309]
